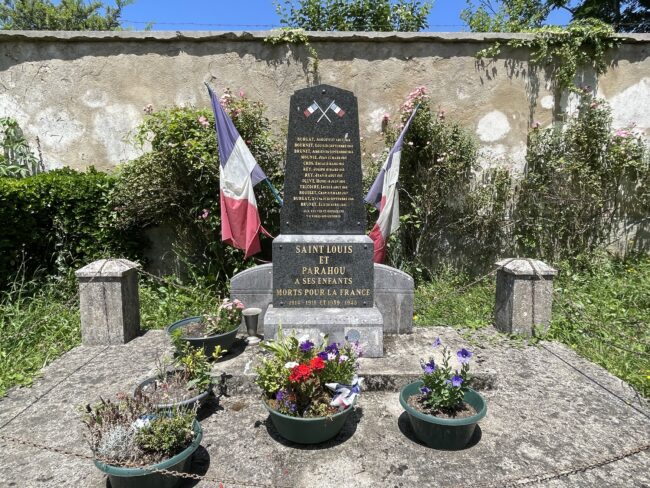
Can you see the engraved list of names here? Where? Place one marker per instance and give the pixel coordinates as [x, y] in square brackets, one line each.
[323, 193]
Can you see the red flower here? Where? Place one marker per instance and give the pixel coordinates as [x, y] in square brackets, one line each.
[300, 373]
[317, 364]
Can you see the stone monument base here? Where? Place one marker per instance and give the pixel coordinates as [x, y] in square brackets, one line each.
[363, 324]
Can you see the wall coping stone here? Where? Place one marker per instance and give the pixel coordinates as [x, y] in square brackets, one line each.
[247, 36]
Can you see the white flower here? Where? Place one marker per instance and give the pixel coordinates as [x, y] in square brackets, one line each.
[331, 356]
[290, 364]
[343, 358]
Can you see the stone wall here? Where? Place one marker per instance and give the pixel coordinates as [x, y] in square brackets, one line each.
[82, 93]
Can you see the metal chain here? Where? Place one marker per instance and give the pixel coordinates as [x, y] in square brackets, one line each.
[126, 464]
[510, 482]
[539, 478]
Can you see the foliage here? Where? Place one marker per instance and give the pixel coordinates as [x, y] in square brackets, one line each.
[17, 159]
[603, 312]
[163, 302]
[438, 301]
[58, 220]
[190, 364]
[601, 309]
[126, 431]
[522, 15]
[566, 50]
[354, 15]
[446, 214]
[294, 377]
[582, 181]
[36, 327]
[227, 318]
[69, 15]
[287, 35]
[39, 320]
[443, 388]
[177, 182]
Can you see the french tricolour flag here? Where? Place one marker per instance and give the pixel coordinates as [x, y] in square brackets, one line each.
[383, 195]
[238, 174]
[311, 109]
[338, 110]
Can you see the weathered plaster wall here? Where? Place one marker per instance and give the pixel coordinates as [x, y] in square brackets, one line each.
[82, 93]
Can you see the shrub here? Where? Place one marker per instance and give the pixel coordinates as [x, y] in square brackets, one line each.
[446, 214]
[56, 220]
[177, 182]
[584, 182]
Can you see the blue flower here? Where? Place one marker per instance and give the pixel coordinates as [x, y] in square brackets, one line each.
[455, 381]
[425, 391]
[463, 356]
[322, 355]
[437, 342]
[429, 367]
[333, 348]
[306, 346]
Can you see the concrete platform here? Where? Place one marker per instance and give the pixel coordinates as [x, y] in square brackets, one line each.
[549, 412]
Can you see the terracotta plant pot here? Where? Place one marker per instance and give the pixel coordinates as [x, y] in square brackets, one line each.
[208, 344]
[144, 477]
[443, 433]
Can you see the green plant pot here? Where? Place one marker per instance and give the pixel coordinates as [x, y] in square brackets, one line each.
[189, 403]
[441, 433]
[208, 344]
[144, 478]
[308, 431]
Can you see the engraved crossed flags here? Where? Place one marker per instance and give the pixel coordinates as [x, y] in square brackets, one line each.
[332, 106]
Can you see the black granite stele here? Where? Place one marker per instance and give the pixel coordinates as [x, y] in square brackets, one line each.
[322, 187]
[322, 257]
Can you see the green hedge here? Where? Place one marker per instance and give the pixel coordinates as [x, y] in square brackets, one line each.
[56, 220]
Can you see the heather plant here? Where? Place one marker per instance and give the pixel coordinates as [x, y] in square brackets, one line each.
[444, 387]
[302, 379]
[128, 432]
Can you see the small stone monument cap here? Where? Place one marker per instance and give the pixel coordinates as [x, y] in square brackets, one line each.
[526, 267]
[106, 268]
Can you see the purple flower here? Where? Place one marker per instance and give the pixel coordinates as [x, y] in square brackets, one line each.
[455, 381]
[437, 342]
[425, 391]
[429, 367]
[279, 396]
[333, 348]
[306, 346]
[322, 355]
[464, 355]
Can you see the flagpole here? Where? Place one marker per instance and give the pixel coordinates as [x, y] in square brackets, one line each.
[274, 191]
[266, 180]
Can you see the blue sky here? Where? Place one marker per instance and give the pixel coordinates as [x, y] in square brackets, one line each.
[256, 15]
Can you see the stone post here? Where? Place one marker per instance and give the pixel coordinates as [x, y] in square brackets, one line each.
[524, 296]
[109, 301]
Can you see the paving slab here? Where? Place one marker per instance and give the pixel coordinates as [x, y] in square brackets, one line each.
[549, 411]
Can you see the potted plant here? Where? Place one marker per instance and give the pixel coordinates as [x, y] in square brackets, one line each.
[131, 441]
[185, 381]
[442, 409]
[309, 390]
[211, 330]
